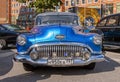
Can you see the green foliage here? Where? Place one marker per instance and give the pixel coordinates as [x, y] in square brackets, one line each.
[21, 1]
[45, 5]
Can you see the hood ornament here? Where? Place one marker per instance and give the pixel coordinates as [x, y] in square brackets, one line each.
[59, 36]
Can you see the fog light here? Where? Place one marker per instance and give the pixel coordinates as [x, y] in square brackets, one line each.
[86, 56]
[77, 54]
[34, 55]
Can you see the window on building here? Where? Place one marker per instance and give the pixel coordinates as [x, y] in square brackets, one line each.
[11, 5]
[72, 3]
[107, 9]
[96, 0]
[13, 18]
[12, 12]
[31, 9]
[89, 1]
[24, 4]
[14, 5]
[66, 3]
[16, 11]
[83, 1]
[77, 1]
[17, 5]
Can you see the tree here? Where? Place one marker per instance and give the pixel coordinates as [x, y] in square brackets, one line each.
[45, 5]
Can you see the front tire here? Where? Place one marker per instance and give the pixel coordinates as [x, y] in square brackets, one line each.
[28, 67]
[90, 66]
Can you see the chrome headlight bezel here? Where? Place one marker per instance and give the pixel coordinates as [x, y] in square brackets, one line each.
[21, 40]
[97, 39]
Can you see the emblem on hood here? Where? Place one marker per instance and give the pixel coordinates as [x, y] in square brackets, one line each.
[59, 36]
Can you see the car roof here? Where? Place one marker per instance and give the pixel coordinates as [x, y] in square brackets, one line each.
[57, 13]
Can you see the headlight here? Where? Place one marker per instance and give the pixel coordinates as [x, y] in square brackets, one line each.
[34, 55]
[97, 39]
[21, 40]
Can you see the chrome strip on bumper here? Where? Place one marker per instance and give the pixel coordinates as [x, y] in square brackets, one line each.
[107, 46]
[77, 62]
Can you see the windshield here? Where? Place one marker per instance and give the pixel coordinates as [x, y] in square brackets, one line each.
[12, 27]
[57, 19]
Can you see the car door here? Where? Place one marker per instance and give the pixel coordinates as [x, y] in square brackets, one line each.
[102, 26]
[108, 26]
[112, 25]
[117, 33]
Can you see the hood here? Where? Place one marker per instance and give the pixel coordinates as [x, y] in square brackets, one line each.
[58, 33]
[47, 34]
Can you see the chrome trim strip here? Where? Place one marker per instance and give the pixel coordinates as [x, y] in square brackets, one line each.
[22, 53]
[106, 46]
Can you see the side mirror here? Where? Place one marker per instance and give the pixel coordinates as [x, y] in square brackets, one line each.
[78, 29]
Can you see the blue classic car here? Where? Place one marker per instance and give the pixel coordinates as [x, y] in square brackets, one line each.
[58, 40]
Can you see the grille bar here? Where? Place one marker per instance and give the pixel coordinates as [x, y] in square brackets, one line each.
[59, 50]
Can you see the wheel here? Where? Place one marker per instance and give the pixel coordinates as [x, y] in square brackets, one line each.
[90, 66]
[28, 67]
[2, 44]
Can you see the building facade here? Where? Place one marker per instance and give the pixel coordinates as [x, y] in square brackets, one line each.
[5, 11]
[21, 14]
[90, 11]
[106, 6]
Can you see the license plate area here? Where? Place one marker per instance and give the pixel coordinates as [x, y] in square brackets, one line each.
[60, 61]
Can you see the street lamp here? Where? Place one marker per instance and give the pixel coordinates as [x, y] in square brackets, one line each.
[73, 3]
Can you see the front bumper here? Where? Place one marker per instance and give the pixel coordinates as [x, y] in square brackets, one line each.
[44, 62]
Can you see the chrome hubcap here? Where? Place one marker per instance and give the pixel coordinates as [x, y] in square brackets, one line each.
[2, 43]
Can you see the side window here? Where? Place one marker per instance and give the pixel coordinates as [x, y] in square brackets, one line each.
[113, 21]
[102, 23]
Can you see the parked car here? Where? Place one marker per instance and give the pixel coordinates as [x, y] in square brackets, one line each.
[58, 40]
[8, 35]
[110, 26]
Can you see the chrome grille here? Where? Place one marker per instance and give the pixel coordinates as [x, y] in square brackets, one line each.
[59, 50]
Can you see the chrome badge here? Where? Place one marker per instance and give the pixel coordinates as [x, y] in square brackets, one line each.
[59, 36]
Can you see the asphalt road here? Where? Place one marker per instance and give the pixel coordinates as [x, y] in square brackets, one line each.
[11, 71]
